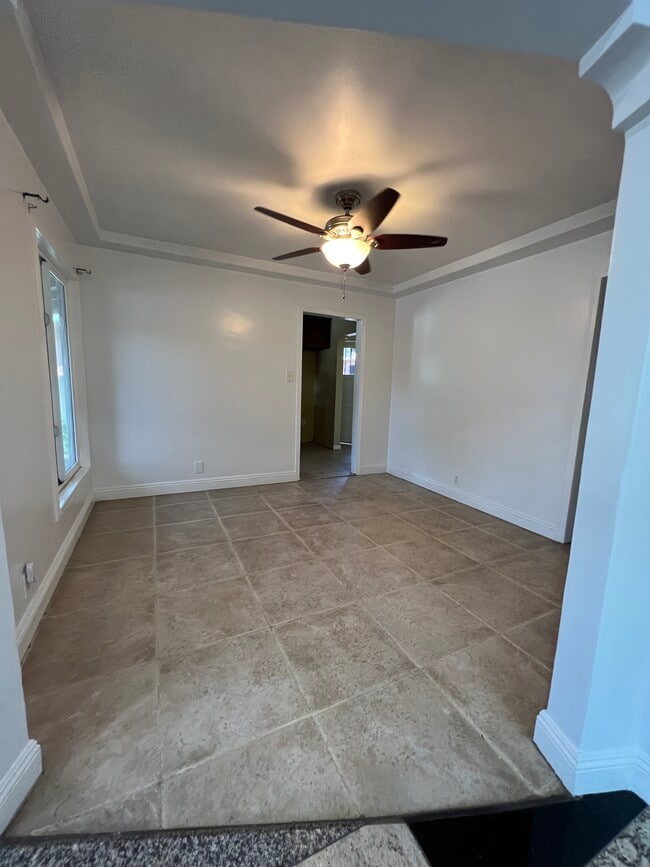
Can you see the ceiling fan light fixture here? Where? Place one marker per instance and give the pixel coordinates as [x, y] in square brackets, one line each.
[346, 252]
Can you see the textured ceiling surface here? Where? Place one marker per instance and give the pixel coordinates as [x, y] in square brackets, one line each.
[183, 119]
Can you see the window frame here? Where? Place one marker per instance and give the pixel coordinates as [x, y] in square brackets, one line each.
[63, 477]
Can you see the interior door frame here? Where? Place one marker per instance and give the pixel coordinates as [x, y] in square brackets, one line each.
[357, 409]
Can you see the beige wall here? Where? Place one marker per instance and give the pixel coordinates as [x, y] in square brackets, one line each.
[307, 396]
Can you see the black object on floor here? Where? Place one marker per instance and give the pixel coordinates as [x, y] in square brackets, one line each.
[565, 834]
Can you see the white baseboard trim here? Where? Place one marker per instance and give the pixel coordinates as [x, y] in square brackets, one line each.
[184, 485]
[34, 611]
[368, 469]
[18, 782]
[585, 773]
[521, 519]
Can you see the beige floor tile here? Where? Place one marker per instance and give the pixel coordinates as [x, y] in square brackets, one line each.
[466, 513]
[175, 537]
[435, 521]
[240, 505]
[398, 504]
[275, 487]
[375, 845]
[362, 486]
[481, 546]
[112, 521]
[432, 499]
[556, 553]
[340, 653]
[272, 552]
[177, 513]
[501, 690]
[299, 517]
[254, 525]
[286, 499]
[404, 748]
[99, 744]
[112, 546]
[539, 637]
[431, 558]
[183, 497]
[394, 484]
[69, 648]
[334, 539]
[370, 572]
[196, 617]
[121, 585]
[388, 529]
[538, 574]
[517, 535]
[288, 774]
[227, 493]
[494, 598]
[425, 623]
[321, 487]
[182, 570]
[298, 590]
[223, 696]
[125, 503]
[139, 811]
[360, 507]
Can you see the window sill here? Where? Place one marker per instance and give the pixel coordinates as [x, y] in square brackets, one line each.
[65, 493]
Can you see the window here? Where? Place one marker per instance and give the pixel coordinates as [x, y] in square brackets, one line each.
[61, 384]
[349, 360]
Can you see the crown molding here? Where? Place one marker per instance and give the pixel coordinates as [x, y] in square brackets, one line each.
[231, 262]
[595, 221]
[620, 63]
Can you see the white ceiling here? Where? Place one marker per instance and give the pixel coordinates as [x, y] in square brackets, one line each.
[183, 119]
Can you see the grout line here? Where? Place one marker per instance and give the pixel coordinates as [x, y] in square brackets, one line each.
[488, 740]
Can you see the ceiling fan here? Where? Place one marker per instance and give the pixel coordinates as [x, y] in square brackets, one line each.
[348, 239]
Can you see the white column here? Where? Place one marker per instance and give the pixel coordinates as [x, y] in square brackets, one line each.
[20, 758]
[595, 729]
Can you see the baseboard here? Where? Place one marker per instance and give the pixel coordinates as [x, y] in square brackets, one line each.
[585, 773]
[185, 485]
[368, 469]
[38, 603]
[521, 519]
[18, 782]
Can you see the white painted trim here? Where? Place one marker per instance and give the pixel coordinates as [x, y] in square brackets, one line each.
[521, 519]
[586, 773]
[184, 485]
[595, 221]
[18, 782]
[38, 603]
[368, 469]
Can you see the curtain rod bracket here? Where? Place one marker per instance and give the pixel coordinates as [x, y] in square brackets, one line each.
[31, 205]
[81, 271]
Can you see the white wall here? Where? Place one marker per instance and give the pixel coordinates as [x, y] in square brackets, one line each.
[186, 362]
[488, 383]
[27, 474]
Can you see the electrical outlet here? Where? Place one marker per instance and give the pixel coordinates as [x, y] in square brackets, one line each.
[30, 576]
[198, 467]
[457, 480]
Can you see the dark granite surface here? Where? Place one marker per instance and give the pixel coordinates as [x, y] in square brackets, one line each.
[631, 848]
[271, 846]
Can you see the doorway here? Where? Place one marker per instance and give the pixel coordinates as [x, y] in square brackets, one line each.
[327, 400]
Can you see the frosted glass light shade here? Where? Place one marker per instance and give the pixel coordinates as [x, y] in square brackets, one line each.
[345, 252]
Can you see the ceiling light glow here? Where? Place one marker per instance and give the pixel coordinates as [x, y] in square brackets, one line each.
[346, 252]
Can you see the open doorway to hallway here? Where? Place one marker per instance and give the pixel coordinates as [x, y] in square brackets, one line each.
[329, 356]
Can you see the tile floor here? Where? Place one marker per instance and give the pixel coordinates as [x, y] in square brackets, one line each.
[317, 462]
[314, 650]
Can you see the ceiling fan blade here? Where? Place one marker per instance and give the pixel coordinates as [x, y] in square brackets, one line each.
[375, 211]
[305, 252]
[299, 224]
[364, 267]
[408, 242]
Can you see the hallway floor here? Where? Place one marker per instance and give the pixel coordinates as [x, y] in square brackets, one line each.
[321, 649]
[318, 462]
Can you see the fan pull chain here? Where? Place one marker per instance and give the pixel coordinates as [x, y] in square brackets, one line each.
[344, 272]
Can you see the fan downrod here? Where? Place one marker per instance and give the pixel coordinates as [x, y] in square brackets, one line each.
[348, 199]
